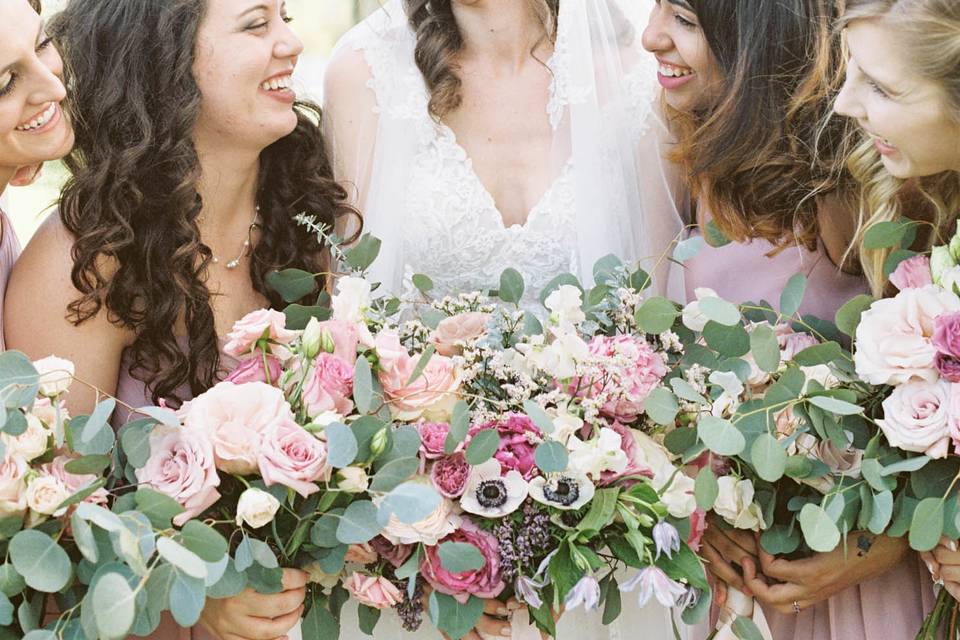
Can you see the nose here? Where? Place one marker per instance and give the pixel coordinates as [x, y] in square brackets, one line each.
[655, 38]
[848, 103]
[289, 45]
[48, 86]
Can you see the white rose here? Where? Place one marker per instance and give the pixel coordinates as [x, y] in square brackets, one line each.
[56, 374]
[442, 522]
[30, 444]
[565, 425]
[894, 336]
[692, 317]
[675, 488]
[13, 499]
[822, 374]
[351, 300]
[916, 417]
[256, 508]
[316, 575]
[566, 305]
[603, 453]
[735, 504]
[46, 493]
[352, 480]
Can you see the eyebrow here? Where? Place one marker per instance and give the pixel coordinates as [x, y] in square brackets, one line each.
[683, 4]
[259, 7]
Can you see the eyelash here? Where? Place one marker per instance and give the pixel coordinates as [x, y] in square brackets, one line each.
[286, 20]
[13, 76]
[684, 22]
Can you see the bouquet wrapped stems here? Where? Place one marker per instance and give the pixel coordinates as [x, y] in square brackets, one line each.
[941, 624]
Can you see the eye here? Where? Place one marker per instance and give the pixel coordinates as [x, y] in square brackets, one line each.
[287, 19]
[257, 26]
[9, 82]
[877, 90]
[684, 22]
[46, 42]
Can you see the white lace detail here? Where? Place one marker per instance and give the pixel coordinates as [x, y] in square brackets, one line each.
[563, 92]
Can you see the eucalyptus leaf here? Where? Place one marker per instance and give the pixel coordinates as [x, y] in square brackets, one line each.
[292, 284]
[459, 557]
[926, 526]
[848, 316]
[792, 295]
[721, 436]
[551, 457]
[819, 530]
[363, 386]
[358, 524]
[394, 473]
[342, 445]
[511, 286]
[719, 310]
[181, 557]
[114, 606]
[768, 457]
[656, 315]
[661, 406]
[43, 563]
[482, 446]
[765, 349]
[411, 502]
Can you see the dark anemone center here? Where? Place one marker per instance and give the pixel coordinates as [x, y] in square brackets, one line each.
[563, 491]
[492, 494]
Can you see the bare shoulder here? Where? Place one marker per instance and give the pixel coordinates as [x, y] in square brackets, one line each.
[47, 257]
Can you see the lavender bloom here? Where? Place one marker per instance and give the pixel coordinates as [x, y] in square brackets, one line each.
[667, 539]
[521, 542]
[654, 582]
[528, 591]
[586, 592]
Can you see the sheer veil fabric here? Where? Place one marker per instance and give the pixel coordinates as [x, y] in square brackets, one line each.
[612, 194]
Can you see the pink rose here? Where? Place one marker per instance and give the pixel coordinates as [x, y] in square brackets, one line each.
[452, 332]
[73, 482]
[635, 371]
[373, 591]
[329, 386]
[252, 370]
[395, 554]
[235, 417]
[519, 438]
[916, 416]
[636, 459]
[13, 486]
[484, 582]
[946, 339]
[182, 466]
[258, 325]
[345, 337]
[894, 342]
[293, 457]
[698, 526]
[953, 411]
[433, 438]
[450, 474]
[791, 342]
[912, 273]
[433, 392]
[948, 367]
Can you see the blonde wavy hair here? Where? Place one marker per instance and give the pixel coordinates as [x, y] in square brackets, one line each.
[930, 30]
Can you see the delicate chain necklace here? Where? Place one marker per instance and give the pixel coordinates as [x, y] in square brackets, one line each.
[245, 249]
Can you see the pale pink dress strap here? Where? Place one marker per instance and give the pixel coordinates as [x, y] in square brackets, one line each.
[9, 252]
[893, 605]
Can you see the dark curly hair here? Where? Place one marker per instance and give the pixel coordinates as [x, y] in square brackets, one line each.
[132, 202]
[439, 40]
[36, 5]
[759, 154]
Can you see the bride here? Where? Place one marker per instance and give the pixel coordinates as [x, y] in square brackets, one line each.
[478, 135]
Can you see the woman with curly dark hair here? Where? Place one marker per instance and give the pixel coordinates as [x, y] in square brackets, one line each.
[749, 88]
[193, 156]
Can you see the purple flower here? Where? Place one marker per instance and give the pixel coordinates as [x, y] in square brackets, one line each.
[667, 539]
[653, 582]
[948, 366]
[528, 591]
[586, 593]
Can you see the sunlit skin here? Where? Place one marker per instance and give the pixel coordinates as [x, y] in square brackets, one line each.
[909, 117]
[31, 91]
[688, 71]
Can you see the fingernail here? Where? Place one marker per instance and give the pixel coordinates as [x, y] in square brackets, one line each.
[514, 605]
[929, 566]
[506, 632]
[503, 611]
[952, 545]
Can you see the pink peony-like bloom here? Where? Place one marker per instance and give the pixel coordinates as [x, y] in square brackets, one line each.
[252, 370]
[261, 324]
[293, 457]
[631, 383]
[74, 482]
[345, 337]
[182, 465]
[329, 386]
[912, 273]
[373, 591]
[453, 331]
[236, 417]
[519, 438]
[450, 474]
[483, 583]
[636, 460]
[946, 339]
[916, 416]
[395, 554]
[434, 392]
[433, 438]
[698, 526]
[948, 367]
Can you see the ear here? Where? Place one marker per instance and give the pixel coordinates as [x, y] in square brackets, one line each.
[26, 175]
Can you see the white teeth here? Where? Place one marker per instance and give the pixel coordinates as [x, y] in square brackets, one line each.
[276, 84]
[41, 120]
[671, 71]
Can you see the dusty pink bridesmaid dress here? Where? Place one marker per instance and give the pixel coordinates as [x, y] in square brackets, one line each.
[9, 252]
[891, 606]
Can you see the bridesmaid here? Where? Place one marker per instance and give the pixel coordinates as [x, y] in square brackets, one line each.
[193, 155]
[33, 129]
[726, 65]
[903, 89]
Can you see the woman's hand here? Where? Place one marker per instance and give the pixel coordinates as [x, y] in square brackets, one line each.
[725, 550]
[944, 565]
[798, 584]
[254, 616]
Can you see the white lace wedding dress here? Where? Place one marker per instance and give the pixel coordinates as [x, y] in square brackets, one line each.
[421, 196]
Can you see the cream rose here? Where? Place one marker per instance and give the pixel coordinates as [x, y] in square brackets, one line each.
[45, 493]
[256, 508]
[432, 395]
[735, 504]
[30, 444]
[56, 374]
[352, 480]
[442, 522]
[916, 417]
[13, 499]
[452, 332]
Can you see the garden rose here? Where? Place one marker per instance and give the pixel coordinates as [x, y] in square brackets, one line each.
[253, 370]
[329, 386]
[895, 336]
[433, 438]
[344, 337]
[482, 583]
[236, 417]
[373, 591]
[433, 393]
[293, 457]
[519, 439]
[912, 273]
[182, 465]
[261, 324]
[56, 374]
[915, 417]
[74, 482]
[443, 521]
[452, 332]
[352, 480]
[256, 508]
[30, 444]
[395, 554]
[631, 382]
[450, 474]
[13, 500]
[46, 493]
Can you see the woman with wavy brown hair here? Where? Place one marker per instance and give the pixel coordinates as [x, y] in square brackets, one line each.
[192, 158]
[749, 89]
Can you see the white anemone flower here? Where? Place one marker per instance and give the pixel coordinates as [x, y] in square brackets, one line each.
[489, 495]
[568, 491]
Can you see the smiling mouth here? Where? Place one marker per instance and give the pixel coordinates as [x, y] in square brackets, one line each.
[41, 120]
[278, 83]
[673, 71]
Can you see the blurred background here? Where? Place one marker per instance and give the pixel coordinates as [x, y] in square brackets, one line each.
[319, 23]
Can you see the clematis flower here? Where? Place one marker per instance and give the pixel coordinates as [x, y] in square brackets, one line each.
[586, 593]
[489, 495]
[653, 582]
[568, 491]
[666, 538]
